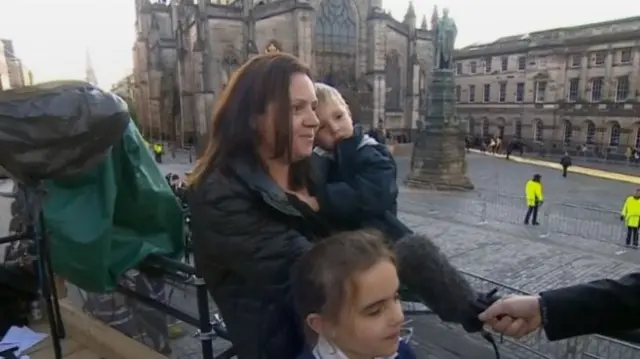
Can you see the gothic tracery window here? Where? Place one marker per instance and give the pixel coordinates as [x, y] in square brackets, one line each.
[336, 43]
[392, 81]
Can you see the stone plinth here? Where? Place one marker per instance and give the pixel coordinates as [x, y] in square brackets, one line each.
[438, 160]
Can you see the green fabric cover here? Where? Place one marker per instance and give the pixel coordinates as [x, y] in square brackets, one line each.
[106, 220]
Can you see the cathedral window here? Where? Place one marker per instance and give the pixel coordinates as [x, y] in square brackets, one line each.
[336, 43]
[393, 81]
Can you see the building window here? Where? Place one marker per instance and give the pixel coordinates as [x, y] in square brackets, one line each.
[522, 62]
[572, 96]
[471, 125]
[459, 68]
[638, 138]
[458, 93]
[568, 132]
[625, 56]
[472, 93]
[541, 90]
[485, 128]
[599, 58]
[538, 131]
[503, 92]
[622, 88]
[335, 46]
[614, 135]
[486, 94]
[505, 63]
[393, 73]
[590, 135]
[487, 64]
[517, 129]
[520, 92]
[472, 67]
[596, 89]
[542, 62]
[575, 60]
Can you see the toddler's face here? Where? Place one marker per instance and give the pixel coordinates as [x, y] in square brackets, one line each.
[335, 125]
[370, 326]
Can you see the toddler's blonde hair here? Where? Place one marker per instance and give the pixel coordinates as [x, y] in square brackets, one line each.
[329, 95]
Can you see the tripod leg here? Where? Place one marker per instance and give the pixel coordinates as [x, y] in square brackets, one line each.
[48, 270]
[46, 295]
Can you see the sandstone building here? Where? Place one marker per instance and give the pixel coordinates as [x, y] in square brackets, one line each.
[185, 52]
[570, 86]
[13, 73]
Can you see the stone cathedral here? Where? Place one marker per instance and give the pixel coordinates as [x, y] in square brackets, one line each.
[185, 51]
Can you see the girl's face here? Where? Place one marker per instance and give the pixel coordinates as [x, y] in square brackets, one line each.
[369, 326]
[335, 124]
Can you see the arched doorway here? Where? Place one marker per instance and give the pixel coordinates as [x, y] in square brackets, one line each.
[335, 49]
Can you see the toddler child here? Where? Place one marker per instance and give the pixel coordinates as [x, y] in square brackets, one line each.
[361, 189]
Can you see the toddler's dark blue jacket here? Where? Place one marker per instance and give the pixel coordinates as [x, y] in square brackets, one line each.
[361, 189]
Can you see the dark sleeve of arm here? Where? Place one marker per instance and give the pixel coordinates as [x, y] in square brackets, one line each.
[597, 307]
[251, 244]
[371, 192]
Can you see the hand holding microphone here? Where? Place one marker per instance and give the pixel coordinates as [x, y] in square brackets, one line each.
[514, 316]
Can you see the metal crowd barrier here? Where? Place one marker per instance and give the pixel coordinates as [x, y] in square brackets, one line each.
[165, 306]
[507, 211]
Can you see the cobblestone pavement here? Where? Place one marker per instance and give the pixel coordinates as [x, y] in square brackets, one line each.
[508, 178]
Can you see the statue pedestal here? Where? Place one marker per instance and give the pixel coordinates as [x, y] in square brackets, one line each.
[438, 160]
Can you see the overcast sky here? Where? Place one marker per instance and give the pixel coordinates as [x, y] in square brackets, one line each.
[51, 36]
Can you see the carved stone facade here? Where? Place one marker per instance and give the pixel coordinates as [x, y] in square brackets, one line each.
[13, 73]
[575, 86]
[186, 51]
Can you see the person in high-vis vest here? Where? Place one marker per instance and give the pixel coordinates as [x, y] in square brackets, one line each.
[535, 197]
[630, 214]
[158, 151]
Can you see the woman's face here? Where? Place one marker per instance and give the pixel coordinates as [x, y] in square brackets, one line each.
[370, 325]
[304, 122]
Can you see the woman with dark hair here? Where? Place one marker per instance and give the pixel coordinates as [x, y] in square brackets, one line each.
[253, 206]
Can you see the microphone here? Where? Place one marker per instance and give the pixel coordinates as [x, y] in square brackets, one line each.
[426, 272]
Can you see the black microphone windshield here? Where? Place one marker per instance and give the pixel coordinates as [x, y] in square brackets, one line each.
[427, 273]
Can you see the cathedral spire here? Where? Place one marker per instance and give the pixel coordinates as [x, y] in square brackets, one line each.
[90, 74]
[410, 16]
[434, 17]
[423, 24]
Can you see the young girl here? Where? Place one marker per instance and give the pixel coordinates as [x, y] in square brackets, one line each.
[361, 188]
[346, 290]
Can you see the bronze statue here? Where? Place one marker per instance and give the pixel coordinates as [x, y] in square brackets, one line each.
[445, 39]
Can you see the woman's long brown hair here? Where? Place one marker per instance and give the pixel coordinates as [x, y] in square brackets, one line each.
[234, 132]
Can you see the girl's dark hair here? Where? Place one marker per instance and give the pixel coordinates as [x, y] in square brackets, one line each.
[234, 131]
[323, 277]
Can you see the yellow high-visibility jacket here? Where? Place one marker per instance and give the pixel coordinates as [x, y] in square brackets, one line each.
[631, 212]
[533, 193]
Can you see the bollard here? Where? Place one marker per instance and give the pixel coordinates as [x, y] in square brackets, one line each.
[544, 219]
[483, 211]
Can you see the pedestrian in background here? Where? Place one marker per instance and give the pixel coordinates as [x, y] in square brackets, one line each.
[630, 215]
[565, 162]
[535, 197]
